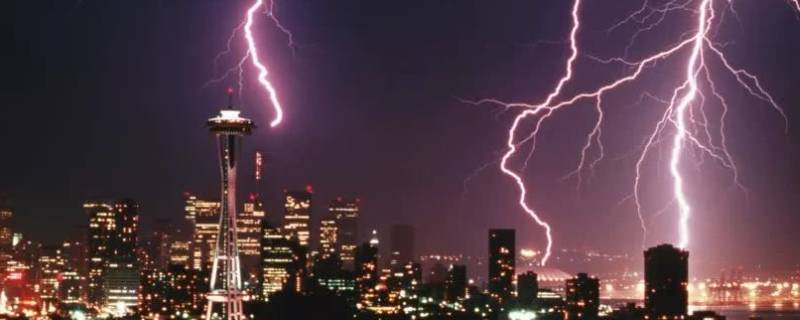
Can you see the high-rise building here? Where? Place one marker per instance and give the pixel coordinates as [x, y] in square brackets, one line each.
[297, 215]
[527, 288]
[180, 253]
[102, 228]
[156, 246]
[582, 296]
[329, 275]
[366, 270]
[402, 250]
[71, 287]
[501, 263]
[455, 287]
[226, 280]
[666, 280]
[126, 230]
[6, 235]
[73, 277]
[203, 215]
[111, 245]
[120, 287]
[328, 232]
[277, 255]
[50, 268]
[346, 213]
[249, 228]
[282, 260]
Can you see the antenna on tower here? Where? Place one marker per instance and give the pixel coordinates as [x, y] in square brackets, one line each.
[229, 91]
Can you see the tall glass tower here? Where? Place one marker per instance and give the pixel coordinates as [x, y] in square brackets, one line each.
[226, 279]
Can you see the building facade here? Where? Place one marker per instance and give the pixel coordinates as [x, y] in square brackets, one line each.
[297, 215]
[582, 297]
[502, 257]
[346, 213]
[666, 278]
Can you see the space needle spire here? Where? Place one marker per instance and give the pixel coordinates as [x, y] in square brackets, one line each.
[226, 279]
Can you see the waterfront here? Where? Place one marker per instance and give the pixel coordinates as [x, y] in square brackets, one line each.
[745, 313]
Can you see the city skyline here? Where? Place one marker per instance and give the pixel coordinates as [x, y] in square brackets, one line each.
[375, 121]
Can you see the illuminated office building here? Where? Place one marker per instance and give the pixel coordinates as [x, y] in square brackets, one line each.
[366, 267]
[297, 215]
[112, 240]
[70, 287]
[102, 226]
[6, 235]
[501, 262]
[249, 230]
[328, 235]
[203, 215]
[120, 288]
[180, 253]
[50, 268]
[582, 296]
[283, 262]
[346, 213]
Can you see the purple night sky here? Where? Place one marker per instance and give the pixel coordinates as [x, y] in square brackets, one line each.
[104, 99]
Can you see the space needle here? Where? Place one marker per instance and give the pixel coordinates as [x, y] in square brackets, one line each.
[226, 279]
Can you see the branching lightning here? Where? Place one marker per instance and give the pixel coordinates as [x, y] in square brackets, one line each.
[684, 122]
[252, 54]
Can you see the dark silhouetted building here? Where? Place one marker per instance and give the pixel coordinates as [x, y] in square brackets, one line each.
[455, 287]
[666, 276]
[402, 250]
[282, 262]
[501, 262]
[527, 288]
[582, 296]
[346, 213]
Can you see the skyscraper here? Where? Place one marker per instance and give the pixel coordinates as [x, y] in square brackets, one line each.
[366, 270]
[127, 228]
[501, 262]
[102, 225]
[226, 280]
[282, 261]
[328, 232]
[527, 288]
[5, 229]
[455, 286]
[346, 213]
[402, 250]
[180, 253]
[582, 296]
[249, 228]
[112, 240]
[120, 287]
[666, 276]
[297, 215]
[203, 215]
[50, 267]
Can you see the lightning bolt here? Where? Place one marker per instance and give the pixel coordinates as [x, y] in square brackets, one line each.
[252, 54]
[684, 118]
